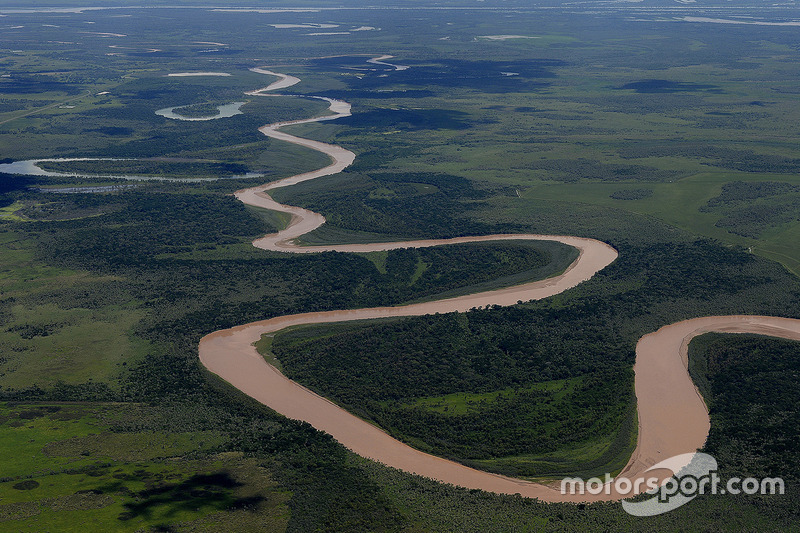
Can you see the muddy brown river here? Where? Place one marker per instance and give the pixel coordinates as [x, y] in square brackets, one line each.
[673, 418]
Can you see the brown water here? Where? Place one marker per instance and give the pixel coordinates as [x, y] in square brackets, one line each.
[672, 415]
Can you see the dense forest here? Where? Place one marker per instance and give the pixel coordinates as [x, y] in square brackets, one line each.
[433, 205]
[750, 384]
[388, 372]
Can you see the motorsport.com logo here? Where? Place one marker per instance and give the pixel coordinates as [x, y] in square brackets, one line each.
[693, 474]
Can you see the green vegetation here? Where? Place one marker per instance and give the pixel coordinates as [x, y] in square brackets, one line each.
[678, 147]
[430, 205]
[750, 384]
[631, 194]
[765, 223]
[174, 169]
[500, 358]
[751, 209]
[9, 212]
[443, 272]
[197, 111]
[63, 463]
[61, 325]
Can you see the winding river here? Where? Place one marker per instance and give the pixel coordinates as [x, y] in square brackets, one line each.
[673, 419]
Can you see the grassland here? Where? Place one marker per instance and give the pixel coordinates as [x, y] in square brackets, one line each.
[50, 334]
[585, 132]
[681, 204]
[9, 212]
[64, 469]
[104, 298]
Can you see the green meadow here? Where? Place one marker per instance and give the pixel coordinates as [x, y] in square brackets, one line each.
[63, 469]
[680, 204]
[50, 334]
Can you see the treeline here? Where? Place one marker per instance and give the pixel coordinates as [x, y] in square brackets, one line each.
[753, 220]
[751, 208]
[737, 192]
[188, 257]
[587, 333]
[174, 169]
[377, 371]
[141, 225]
[421, 272]
[476, 352]
[518, 432]
[395, 203]
[9, 184]
[742, 160]
[752, 387]
[631, 194]
[407, 119]
[197, 110]
[573, 170]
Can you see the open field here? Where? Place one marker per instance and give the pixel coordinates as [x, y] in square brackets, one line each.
[684, 204]
[61, 325]
[64, 466]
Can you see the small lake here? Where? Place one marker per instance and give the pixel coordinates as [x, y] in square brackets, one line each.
[30, 167]
[225, 111]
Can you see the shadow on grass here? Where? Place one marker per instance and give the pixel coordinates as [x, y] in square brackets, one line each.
[201, 491]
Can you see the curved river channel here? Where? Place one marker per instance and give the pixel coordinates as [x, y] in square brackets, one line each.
[673, 419]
